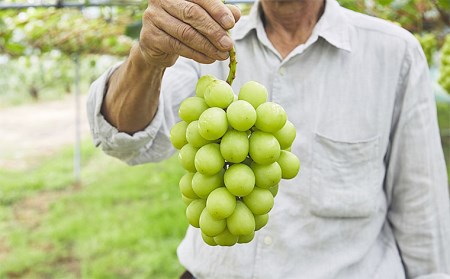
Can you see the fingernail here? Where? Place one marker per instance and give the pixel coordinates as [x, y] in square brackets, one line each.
[226, 42]
[227, 21]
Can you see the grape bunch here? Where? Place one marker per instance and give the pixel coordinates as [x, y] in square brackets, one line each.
[429, 42]
[444, 78]
[235, 151]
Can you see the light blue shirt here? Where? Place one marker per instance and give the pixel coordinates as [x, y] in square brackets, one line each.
[371, 199]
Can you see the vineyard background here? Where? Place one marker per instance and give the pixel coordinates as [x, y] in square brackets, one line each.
[110, 220]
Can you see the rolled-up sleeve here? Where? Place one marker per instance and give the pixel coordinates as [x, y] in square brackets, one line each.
[416, 181]
[152, 144]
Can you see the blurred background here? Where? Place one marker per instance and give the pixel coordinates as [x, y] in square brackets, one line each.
[66, 209]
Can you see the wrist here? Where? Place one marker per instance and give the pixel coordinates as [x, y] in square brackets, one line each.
[138, 60]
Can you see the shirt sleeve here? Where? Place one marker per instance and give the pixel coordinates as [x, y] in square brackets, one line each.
[416, 179]
[152, 144]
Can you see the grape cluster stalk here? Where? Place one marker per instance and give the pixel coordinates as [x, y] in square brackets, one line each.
[236, 151]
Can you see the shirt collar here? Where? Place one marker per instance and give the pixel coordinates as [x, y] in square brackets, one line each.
[247, 23]
[332, 25]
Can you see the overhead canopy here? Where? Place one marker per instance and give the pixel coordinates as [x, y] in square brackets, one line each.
[65, 3]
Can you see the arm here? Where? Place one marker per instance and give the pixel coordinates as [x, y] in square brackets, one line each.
[133, 94]
[193, 29]
[416, 181]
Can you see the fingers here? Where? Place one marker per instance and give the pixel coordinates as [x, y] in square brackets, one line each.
[218, 11]
[235, 11]
[190, 37]
[161, 48]
[175, 46]
[201, 21]
[196, 29]
[172, 49]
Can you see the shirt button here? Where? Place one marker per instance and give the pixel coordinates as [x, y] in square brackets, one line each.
[267, 240]
[282, 71]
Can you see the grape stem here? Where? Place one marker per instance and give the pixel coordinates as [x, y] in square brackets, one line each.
[233, 62]
[232, 66]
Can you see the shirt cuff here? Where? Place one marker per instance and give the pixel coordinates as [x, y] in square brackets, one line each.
[117, 144]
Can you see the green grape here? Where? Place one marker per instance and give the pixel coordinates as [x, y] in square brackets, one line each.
[213, 123]
[203, 185]
[266, 176]
[241, 222]
[211, 226]
[234, 149]
[239, 179]
[193, 136]
[264, 148]
[270, 117]
[209, 240]
[259, 201]
[289, 163]
[444, 78]
[220, 203]
[186, 156]
[226, 238]
[428, 42]
[246, 238]
[241, 115]
[178, 134]
[193, 212]
[192, 108]
[286, 135]
[219, 94]
[274, 190]
[186, 200]
[208, 159]
[186, 186]
[261, 221]
[234, 146]
[202, 83]
[254, 93]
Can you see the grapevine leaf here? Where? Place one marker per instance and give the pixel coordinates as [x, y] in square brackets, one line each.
[444, 4]
[384, 2]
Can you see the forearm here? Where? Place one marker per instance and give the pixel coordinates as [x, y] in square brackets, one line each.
[132, 96]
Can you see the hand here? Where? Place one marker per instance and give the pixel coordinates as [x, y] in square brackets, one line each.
[196, 29]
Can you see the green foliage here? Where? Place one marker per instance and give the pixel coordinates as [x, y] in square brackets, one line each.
[428, 42]
[445, 4]
[444, 78]
[356, 5]
[68, 30]
[133, 29]
[417, 16]
[47, 76]
[443, 111]
[124, 222]
[384, 2]
[245, 8]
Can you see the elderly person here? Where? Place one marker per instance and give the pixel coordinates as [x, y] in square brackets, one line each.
[371, 200]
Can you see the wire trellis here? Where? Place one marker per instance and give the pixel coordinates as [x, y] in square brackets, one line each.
[80, 5]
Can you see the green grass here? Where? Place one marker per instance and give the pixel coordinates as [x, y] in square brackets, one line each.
[123, 222]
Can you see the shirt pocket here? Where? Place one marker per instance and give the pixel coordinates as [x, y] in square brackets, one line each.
[343, 181]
